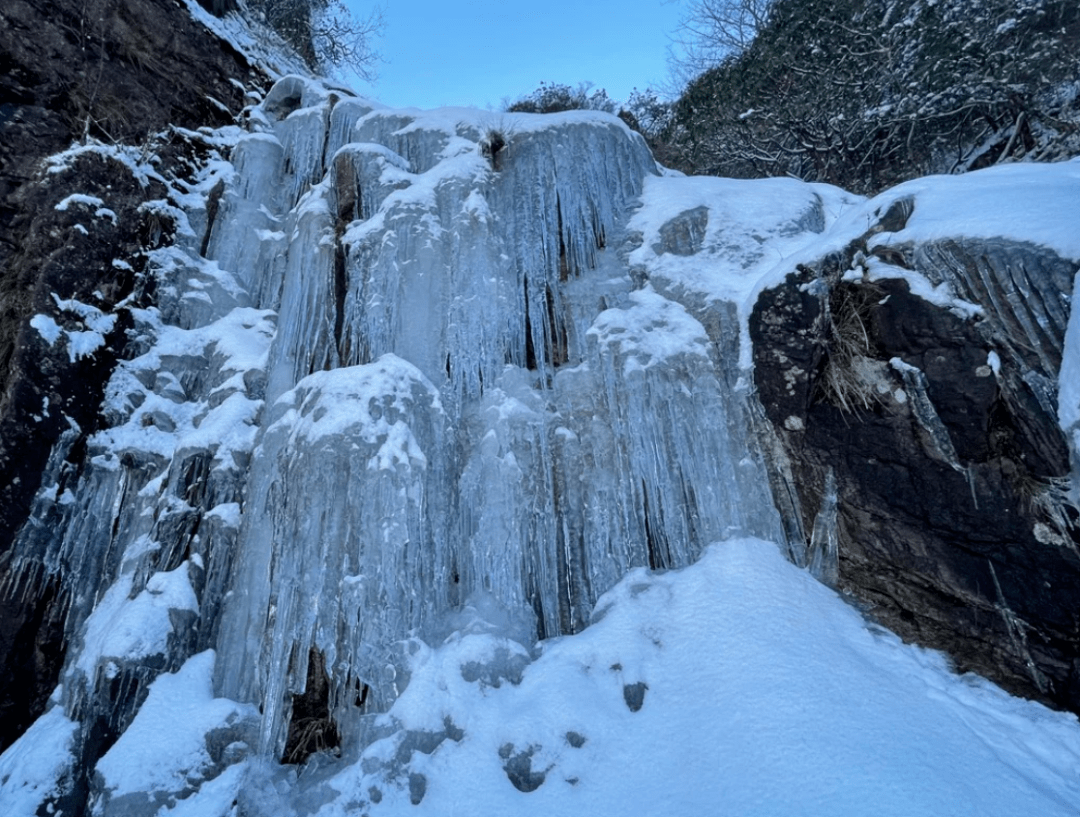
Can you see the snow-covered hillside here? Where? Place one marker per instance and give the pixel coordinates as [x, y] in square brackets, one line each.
[420, 394]
[738, 685]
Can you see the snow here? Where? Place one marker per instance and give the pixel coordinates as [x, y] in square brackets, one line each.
[91, 316]
[79, 198]
[131, 157]
[80, 342]
[227, 512]
[91, 202]
[941, 294]
[710, 239]
[165, 749]
[739, 237]
[84, 344]
[49, 329]
[750, 226]
[124, 629]
[260, 44]
[650, 332]
[159, 422]
[764, 694]
[1022, 202]
[332, 403]
[214, 798]
[31, 767]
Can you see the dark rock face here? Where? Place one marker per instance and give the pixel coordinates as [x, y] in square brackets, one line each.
[953, 524]
[311, 728]
[112, 73]
[106, 70]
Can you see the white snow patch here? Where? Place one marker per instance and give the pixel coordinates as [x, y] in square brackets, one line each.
[79, 198]
[126, 628]
[31, 768]
[84, 344]
[165, 749]
[49, 329]
[227, 512]
[919, 285]
[650, 332]
[340, 401]
[1069, 376]
[1023, 202]
[129, 156]
[162, 423]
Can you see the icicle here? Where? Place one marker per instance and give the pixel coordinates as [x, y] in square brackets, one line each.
[1068, 408]
[403, 379]
[1017, 629]
[938, 441]
[824, 540]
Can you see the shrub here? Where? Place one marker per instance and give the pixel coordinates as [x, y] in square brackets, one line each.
[552, 98]
[866, 93]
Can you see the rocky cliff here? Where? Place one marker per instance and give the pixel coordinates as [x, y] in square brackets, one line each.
[911, 376]
[137, 80]
[308, 376]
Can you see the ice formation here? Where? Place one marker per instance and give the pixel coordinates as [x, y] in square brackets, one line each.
[399, 365]
[411, 375]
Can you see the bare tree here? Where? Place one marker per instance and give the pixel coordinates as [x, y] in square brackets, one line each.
[712, 30]
[866, 93]
[342, 40]
[325, 33]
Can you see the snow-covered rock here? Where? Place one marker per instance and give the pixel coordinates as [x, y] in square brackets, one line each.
[412, 391]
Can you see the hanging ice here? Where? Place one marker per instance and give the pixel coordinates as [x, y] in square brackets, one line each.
[399, 365]
[520, 454]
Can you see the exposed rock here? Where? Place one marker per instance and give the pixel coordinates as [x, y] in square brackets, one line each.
[519, 769]
[311, 727]
[939, 424]
[118, 73]
[634, 695]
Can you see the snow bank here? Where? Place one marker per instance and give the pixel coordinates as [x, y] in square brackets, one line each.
[1022, 202]
[166, 747]
[738, 685]
[126, 629]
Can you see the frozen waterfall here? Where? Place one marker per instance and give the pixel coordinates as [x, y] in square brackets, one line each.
[400, 366]
[407, 396]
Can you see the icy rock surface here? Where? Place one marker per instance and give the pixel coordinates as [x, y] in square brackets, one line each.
[398, 366]
[416, 390]
[467, 393]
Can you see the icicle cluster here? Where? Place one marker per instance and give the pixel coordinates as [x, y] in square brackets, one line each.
[399, 365]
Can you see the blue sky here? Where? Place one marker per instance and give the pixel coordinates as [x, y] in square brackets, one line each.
[452, 53]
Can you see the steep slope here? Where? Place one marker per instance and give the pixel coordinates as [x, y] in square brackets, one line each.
[117, 76]
[350, 383]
